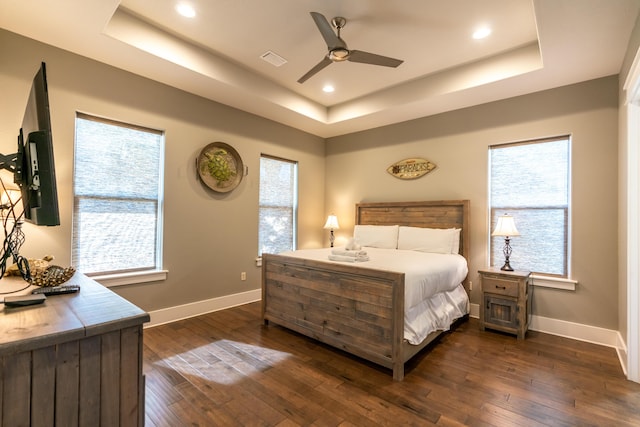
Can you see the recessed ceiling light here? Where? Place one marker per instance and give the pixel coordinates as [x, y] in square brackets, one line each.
[328, 88]
[186, 10]
[481, 33]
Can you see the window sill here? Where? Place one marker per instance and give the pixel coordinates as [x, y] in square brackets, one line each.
[122, 279]
[554, 282]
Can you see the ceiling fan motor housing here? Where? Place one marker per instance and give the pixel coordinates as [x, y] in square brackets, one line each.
[339, 54]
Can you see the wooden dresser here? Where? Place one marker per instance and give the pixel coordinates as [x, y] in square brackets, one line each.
[75, 360]
[506, 301]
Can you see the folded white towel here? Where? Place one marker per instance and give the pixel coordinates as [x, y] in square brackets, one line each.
[345, 258]
[345, 252]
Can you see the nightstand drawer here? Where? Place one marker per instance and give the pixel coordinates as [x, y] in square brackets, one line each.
[498, 286]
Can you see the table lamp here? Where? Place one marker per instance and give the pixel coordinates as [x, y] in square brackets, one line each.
[506, 227]
[331, 224]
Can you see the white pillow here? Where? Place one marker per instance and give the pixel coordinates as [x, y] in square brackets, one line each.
[376, 236]
[455, 247]
[435, 240]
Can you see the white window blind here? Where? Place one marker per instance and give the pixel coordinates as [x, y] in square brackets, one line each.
[117, 197]
[278, 205]
[531, 182]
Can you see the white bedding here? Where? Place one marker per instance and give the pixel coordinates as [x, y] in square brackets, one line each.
[434, 296]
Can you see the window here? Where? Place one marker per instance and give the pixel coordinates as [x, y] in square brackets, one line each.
[530, 181]
[278, 205]
[117, 219]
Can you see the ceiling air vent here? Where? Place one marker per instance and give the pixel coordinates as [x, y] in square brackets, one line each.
[273, 58]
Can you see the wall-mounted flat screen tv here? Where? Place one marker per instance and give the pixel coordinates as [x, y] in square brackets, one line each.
[34, 169]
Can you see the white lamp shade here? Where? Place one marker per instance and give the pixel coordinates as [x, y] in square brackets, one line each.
[505, 227]
[332, 223]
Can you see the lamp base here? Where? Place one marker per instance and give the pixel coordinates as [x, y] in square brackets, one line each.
[507, 253]
[506, 266]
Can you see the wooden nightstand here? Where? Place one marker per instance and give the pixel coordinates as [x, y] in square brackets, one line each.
[506, 301]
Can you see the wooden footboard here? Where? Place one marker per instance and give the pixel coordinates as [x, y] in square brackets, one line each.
[358, 310]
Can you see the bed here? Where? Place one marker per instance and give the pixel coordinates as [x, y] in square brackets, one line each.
[350, 306]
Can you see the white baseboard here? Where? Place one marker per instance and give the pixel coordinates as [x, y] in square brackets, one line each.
[179, 312]
[576, 331]
[474, 310]
[621, 349]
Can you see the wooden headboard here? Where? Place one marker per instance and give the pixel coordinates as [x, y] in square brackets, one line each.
[432, 214]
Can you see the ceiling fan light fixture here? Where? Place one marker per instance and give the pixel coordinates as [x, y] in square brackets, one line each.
[339, 54]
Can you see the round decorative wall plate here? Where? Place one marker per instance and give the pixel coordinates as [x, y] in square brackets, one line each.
[220, 167]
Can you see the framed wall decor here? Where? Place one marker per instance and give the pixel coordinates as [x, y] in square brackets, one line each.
[220, 167]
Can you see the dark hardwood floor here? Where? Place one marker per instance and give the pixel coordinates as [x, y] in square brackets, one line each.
[226, 369]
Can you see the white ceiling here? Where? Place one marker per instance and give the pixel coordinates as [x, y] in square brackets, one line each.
[535, 45]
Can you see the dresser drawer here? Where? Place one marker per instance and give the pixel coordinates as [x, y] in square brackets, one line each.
[498, 286]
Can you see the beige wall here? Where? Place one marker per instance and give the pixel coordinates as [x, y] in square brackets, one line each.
[209, 238]
[457, 142]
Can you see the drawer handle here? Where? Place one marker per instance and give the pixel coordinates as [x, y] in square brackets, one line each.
[501, 287]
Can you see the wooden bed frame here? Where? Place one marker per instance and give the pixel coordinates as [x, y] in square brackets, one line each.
[358, 310]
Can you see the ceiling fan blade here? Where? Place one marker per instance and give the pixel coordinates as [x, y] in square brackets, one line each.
[326, 30]
[319, 66]
[372, 58]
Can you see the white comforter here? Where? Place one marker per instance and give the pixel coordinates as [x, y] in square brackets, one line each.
[434, 296]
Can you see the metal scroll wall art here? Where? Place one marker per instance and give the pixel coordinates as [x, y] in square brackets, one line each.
[411, 168]
[220, 167]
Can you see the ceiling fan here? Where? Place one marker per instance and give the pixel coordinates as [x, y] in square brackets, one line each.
[338, 50]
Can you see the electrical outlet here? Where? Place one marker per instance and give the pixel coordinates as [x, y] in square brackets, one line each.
[243, 276]
[470, 285]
